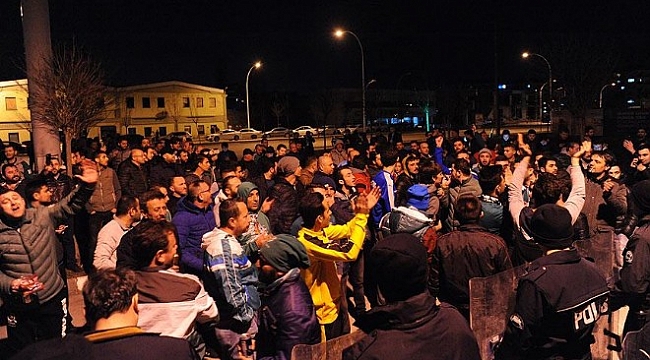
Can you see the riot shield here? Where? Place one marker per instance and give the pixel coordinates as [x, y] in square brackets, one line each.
[332, 349]
[636, 345]
[491, 302]
[600, 248]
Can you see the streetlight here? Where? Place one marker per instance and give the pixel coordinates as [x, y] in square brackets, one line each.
[600, 97]
[339, 34]
[526, 55]
[257, 65]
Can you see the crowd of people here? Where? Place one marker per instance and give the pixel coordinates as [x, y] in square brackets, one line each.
[193, 252]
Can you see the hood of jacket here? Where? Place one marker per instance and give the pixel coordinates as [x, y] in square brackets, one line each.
[400, 315]
[411, 220]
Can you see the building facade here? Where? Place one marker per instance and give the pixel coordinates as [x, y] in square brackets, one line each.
[151, 110]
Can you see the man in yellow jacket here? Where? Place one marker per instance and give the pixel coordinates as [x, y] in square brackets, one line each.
[327, 244]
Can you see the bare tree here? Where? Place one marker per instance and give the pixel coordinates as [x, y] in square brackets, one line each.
[70, 95]
[583, 64]
[323, 105]
[279, 105]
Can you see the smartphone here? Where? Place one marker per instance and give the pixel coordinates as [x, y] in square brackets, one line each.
[598, 147]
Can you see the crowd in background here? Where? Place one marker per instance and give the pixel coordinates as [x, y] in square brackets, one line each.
[281, 245]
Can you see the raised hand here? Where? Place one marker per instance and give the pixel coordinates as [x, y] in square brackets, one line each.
[89, 173]
[373, 197]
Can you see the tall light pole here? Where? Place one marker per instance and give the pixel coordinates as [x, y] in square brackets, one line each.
[526, 55]
[339, 34]
[600, 97]
[257, 65]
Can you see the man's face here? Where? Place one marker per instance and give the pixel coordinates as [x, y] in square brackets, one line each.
[282, 151]
[138, 156]
[458, 146]
[12, 205]
[573, 149]
[56, 165]
[339, 146]
[348, 178]
[597, 165]
[484, 158]
[124, 144]
[413, 167]
[590, 133]
[259, 149]
[424, 148]
[644, 156]
[253, 200]
[640, 134]
[293, 147]
[184, 156]
[204, 164]
[44, 195]
[150, 154]
[248, 157]
[414, 145]
[232, 187]
[10, 153]
[509, 152]
[615, 172]
[551, 167]
[399, 146]
[136, 211]
[12, 175]
[531, 137]
[328, 165]
[157, 209]
[178, 186]
[102, 160]
[145, 143]
[242, 221]
[563, 135]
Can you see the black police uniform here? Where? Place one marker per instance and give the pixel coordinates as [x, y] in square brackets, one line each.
[558, 302]
[634, 276]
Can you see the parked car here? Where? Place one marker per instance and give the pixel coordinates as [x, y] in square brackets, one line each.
[279, 132]
[249, 133]
[227, 134]
[302, 130]
[329, 130]
[178, 134]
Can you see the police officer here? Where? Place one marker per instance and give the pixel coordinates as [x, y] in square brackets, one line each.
[559, 299]
[632, 288]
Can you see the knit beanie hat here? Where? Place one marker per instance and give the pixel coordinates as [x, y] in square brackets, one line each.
[399, 264]
[551, 227]
[640, 194]
[418, 197]
[288, 165]
[245, 190]
[284, 253]
[485, 150]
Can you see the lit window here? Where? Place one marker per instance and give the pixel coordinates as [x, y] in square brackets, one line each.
[10, 103]
[186, 102]
[212, 102]
[199, 102]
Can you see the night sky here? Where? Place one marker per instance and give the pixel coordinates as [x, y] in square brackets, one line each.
[213, 43]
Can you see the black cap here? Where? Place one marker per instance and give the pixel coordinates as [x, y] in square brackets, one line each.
[551, 227]
[399, 263]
